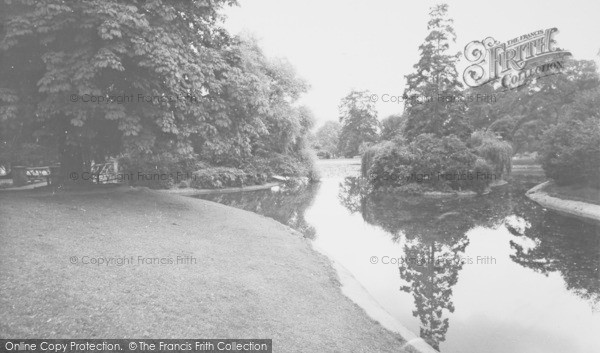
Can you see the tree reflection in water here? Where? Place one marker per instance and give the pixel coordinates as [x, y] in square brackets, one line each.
[564, 245]
[286, 206]
[433, 234]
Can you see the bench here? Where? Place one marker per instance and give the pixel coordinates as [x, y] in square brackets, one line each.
[25, 175]
[102, 173]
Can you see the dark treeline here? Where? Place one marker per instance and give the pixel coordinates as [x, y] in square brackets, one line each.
[158, 84]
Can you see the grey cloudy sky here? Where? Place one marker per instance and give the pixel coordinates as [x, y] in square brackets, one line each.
[339, 45]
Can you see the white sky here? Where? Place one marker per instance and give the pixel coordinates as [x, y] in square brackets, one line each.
[339, 45]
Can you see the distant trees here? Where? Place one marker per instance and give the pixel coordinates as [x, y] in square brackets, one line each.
[522, 115]
[392, 126]
[327, 138]
[557, 116]
[358, 118]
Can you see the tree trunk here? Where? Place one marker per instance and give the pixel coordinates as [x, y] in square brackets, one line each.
[72, 163]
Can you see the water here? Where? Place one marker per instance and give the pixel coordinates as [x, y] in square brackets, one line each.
[495, 273]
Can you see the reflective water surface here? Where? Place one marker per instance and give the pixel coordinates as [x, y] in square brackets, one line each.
[494, 273]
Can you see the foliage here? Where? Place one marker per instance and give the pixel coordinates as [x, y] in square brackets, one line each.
[157, 171]
[358, 117]
[522, 115]
[165, 49]
[28, 154]
[497, 152]
[570, 152]
[482, 168]
[222, 177]
[392, 127]
[427, 108]
[213, 97]
[259, 111]
[301, 164]
[440, 164]
[388, 164]
[327, 137]
[446, 161]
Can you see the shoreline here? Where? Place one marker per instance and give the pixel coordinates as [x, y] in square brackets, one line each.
[250, 267]
[192, 191]
[582, 210]
[349, 286]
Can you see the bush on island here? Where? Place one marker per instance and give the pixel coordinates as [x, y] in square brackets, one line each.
[369, 154]
[390, 164]
[433, 163]
[496, 152]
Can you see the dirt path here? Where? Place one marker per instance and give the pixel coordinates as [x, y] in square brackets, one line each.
[240, 275]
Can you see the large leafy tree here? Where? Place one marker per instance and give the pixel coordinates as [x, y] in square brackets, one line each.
[522, 115]
[328, 136]
[359, 122]
[259, 115]
[432, 90]
[54, 51]
[392, 127]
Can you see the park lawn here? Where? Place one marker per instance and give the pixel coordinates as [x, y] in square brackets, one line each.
[574, 192]
[252, 278]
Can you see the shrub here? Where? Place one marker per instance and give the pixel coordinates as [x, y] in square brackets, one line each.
[434, 163]
[415, 189]
[299, 164]
[27, 154]
[498, 153]
[391, 165]
[368, 156]
[457, 164]
[570, 152]
[481, 167]
[448, 161]
[223, 177]
[160, 171]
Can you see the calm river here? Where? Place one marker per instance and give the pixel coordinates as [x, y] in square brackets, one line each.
[494, 273]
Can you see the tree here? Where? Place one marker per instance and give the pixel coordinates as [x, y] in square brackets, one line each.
[328, 136]
[392, 127]
[432, 95]
[570, 152]
[522, 115]
[259, 116]
[166, 50]
[174, 86]
[358, 118]
[496, 152]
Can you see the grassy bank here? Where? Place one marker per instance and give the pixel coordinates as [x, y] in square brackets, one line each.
[574, 192]
[245, 276]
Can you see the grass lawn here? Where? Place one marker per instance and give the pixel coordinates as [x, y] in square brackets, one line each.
[574, 192]
[251, 278]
